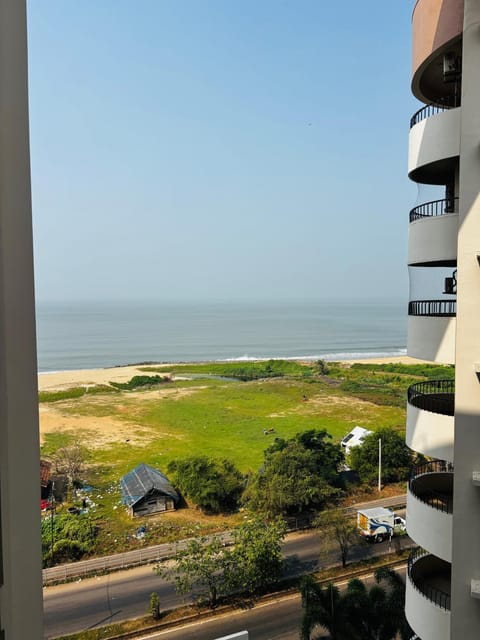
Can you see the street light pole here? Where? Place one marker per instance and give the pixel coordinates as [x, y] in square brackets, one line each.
[379, 465]
[52, 513]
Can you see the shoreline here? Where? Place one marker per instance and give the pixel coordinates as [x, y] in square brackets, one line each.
[57, 380]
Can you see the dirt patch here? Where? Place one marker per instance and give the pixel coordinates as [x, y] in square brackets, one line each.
[312, 405]
[174, 394]
[94, 431]
[98, 431]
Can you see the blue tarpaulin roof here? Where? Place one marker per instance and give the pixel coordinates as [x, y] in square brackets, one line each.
[136, 484]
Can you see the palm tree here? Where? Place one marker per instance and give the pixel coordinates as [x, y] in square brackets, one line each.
[322, 607]
[395, 600]
[366, 611]
[360, 613]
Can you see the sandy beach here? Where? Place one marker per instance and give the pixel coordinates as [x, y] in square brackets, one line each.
[84, 377]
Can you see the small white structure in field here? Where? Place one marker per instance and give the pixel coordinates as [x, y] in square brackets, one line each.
[354, 438]
[241, 635]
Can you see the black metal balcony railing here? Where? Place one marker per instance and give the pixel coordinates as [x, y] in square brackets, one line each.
[433, 209]
[442, 104]
[437, 396]
[434, 308]
[426, 112]
[436, 499]
[436, 595]
[432, 466]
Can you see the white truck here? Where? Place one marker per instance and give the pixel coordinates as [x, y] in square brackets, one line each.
[379, 524]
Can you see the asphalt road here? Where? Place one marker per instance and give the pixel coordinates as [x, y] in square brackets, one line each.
[275, 620]
[94, 602]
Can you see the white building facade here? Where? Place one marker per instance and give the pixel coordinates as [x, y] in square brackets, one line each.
[443, 416]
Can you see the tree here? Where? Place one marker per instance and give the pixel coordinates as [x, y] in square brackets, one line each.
[334, 524]
[359, 613]
[298, 475]
[257, 558]
[214, 485]
[366, 610]
[322, 607]
[154, 605]
[70, 461]
[396, 457]
[323, 368]
[395, 605]
[198, 568]
[205, 568]
[328, 455]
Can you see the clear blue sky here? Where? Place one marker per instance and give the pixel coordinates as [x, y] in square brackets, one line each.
[223, 150]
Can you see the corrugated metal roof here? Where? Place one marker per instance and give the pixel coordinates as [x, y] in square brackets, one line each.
[44, 472]
[137, 483]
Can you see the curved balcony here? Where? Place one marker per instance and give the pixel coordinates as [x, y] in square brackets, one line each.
[432, 233]
[436, 28]
[430, 507]
[432, 109]
[430, 410]
[433, 209]
[431, 330]
[434, 145]
[437, 396]
[433, 308]
[430, 433]
[427, 598]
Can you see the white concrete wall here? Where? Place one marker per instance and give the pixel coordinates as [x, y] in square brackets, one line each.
[429, 527]
[428, 621]
[431, 338]
[430, 433]
[434, 139]
[466, 522]
[433, 239]
[21, 586]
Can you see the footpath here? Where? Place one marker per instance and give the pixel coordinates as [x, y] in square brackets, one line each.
[104, 564]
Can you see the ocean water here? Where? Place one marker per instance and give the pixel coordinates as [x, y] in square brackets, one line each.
[99, 334]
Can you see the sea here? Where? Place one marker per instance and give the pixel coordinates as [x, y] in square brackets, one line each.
[90, 335]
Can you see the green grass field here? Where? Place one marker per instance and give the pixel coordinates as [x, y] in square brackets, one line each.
[219, 418]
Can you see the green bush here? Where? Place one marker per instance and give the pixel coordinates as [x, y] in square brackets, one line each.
[430, 371]
[213, 485]
[140, 381]
[243, 370]
[69, 535]
[73, 392]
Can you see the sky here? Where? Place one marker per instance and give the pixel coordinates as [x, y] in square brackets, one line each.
[220, 150]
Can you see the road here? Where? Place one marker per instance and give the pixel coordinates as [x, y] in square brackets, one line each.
[275, 620]
[93, 602]
[84, 568]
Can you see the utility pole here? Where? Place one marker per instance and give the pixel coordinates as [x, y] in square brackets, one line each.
[379, 465]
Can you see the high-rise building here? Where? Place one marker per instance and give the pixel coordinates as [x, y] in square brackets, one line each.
[443, 416]
[20, 549]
